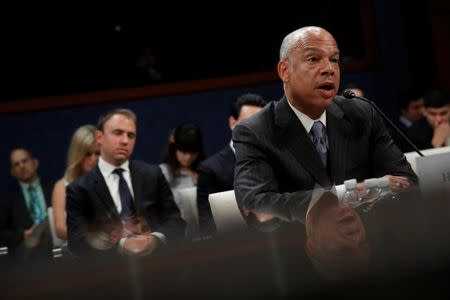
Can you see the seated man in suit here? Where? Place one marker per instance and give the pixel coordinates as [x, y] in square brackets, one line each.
[311, 136]
[411, 111]
[355, 88]
[216, 174]
[120, 205]
[433, 131]
[23, 210]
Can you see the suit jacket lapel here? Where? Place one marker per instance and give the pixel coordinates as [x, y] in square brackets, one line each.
[21, 211]
[297, 140]
[136, 182]
[102, 190]
[337, 132]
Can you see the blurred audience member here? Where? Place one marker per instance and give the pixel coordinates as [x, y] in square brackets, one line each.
[355, 88]
[433, 131]
[411, 110]
[216, 174]
[23, 210]
[121, 205]
[82, 156]
[184, 152]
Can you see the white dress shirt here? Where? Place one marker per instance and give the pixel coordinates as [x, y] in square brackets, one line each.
[308, 123]
[112, 182]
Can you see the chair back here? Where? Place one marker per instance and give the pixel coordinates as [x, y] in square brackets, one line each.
[57, 242]
[226, 213]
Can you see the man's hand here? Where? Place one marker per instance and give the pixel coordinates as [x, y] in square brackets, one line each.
[261, 217]
[140, 245]
[395, 183]
[440, 135]
[136, 226]
[398, 182]
[29, 240]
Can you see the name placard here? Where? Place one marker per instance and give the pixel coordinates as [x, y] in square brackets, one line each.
[434, 173]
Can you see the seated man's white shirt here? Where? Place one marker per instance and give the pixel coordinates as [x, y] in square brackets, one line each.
[112, 182]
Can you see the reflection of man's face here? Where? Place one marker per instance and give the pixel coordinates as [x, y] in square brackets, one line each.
[337, 237]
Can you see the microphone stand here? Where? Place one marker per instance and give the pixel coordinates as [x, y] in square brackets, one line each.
[350, 94]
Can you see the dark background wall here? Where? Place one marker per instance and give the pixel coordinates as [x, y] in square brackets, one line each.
[405, 57]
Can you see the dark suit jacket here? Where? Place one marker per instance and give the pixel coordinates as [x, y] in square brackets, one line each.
[15, 219]
[89, 203]
[421, 134]
[215, 174]
[401, 143]
[277, 165]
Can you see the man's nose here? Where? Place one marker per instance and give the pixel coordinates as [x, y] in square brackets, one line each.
[124, 139]
[327, 67]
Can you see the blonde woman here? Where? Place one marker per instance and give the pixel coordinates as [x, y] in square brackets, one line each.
[82, 157]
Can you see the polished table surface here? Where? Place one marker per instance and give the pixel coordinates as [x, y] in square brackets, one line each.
[399, 247]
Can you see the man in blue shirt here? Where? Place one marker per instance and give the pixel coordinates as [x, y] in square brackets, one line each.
[23, 209]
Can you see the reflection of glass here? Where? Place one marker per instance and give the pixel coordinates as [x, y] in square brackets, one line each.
[351, 196]
[372, 191]
[336, 239]
[376, 189]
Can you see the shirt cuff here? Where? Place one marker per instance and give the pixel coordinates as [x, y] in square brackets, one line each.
[121, 243]
[160, 236]
[340, 191]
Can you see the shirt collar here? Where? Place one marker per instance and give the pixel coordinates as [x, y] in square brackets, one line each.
[405, 121]
[34, 184]
[306, 121]
[232, 147]
[106, 168]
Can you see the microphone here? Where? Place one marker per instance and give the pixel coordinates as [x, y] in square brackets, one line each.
[349, 94]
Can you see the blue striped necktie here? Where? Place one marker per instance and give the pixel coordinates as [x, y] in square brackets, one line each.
[317, 132]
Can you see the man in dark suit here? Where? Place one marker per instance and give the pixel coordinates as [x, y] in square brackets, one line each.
[311, 136]
[23, 210]
[411, 105]
[120, 206]
[433, 131]
[216, 174]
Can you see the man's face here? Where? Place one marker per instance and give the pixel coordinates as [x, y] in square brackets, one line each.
[437, 116]
[245, 112]
[311, 75]
[23, 167]
[414, 111]
[340, 226]
[117, 139]
[337, 238]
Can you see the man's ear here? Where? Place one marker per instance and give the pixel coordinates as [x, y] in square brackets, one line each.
[99, 136]
[283, 70]
[232, 122]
